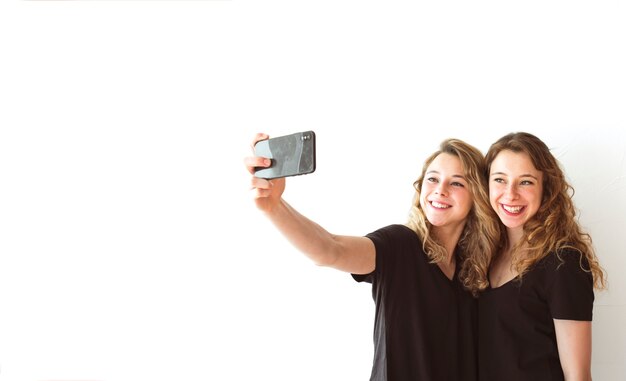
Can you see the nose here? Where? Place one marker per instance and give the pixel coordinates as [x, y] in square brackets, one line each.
[510, 192]
[441, 189]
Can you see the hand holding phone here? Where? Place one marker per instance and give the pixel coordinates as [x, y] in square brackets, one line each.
[291, 155]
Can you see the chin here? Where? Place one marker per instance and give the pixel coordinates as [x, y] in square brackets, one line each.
[434, 222]
[438, 222]
[512, 225]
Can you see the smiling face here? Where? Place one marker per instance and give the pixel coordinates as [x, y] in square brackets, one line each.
[445, 197]
[515, 189]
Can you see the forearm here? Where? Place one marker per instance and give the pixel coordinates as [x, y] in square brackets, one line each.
[574, 344]
[578, 377]
[306, 235]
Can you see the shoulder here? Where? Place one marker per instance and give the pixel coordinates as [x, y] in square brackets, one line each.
[395, 239]
[395, 231]
[566, 259]
[568, 285]
[565, 270]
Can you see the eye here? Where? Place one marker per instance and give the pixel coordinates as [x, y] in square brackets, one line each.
[498, 180]
[432, 179]
[457, 184]
[526, 182]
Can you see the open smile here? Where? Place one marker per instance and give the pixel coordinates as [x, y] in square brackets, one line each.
[513, 210]
[439, 205]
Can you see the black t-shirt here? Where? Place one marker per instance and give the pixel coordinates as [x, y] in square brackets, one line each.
[425, 324]
[517, 341]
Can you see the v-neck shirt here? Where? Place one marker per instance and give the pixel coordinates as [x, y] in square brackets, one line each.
[425, 324]
[517, 340]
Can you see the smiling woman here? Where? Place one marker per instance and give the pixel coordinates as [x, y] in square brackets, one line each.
[444, 195]
[535, 318]
[419, 273]
[515, 190]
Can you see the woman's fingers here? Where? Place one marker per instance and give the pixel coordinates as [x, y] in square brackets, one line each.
[253, 162]
[257, 138]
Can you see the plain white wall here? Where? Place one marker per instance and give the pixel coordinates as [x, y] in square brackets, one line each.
[129, 245]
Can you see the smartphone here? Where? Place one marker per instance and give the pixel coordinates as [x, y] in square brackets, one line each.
[291, 155]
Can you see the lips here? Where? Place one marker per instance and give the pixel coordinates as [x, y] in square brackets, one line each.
[439, 205]
[513, 210]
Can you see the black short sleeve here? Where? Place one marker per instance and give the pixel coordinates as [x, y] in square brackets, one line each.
[382, 240]
[570, 294]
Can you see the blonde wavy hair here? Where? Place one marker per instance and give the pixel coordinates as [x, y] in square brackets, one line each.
[480, 233]
[554, 228]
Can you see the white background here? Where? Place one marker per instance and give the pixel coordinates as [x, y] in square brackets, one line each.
[130, 248]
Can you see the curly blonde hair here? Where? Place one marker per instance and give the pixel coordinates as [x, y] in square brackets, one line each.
[555, 226]
[480, 233]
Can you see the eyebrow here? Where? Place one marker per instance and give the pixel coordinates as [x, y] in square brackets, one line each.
[437, 172]
[504, 174]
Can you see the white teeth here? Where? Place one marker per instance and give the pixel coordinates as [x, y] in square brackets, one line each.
[439, 205]
[512, 209]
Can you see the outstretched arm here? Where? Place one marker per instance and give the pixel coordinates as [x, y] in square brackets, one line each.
[352, 254]
[573, 339]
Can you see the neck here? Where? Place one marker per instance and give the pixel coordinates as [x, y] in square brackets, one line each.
[514, 235]
[448, 236]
